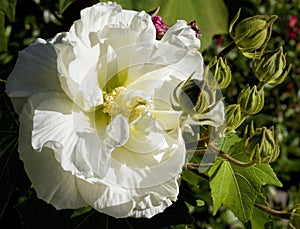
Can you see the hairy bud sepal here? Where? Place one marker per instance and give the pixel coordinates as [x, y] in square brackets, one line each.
[193, 96]
[252, 34]
[295, 217]
[262, 145]
[234, 117]
[221, 73]
[271, 67]
[251, 100]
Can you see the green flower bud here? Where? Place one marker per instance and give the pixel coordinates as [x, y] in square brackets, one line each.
[295, 217]
[262, 145]
[252, 33]
[234, 117]
[221, 73]
[270, 68]
[251, 100]
[193, 96]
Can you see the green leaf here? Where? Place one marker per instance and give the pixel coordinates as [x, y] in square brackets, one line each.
[63, 4]
[229, 141]
[232, 188]
[261, 174]
[3, 38]
[181, 226]
[200, 203]
[11, 168]
[259, 217]
[8, 7]
[211, 16]
[190, 177]
[8, 175]
[237, 187]
[81, 211]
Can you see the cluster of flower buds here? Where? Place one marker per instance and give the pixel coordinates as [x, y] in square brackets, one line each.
[261, 145]
[251, 100]
[193, 96]
[271, 67]
[252, 34]
[234, 117]
[221, 73]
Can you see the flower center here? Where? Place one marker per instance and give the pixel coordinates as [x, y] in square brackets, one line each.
[125, 102]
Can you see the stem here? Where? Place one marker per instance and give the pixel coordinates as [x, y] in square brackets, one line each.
[203, 137]
[3, 81]
[197, 151]
[231, 159]
[227, 49]
[273, 212]
[193, 166]
[235, 161]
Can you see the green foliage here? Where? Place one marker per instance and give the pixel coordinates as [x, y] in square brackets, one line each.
[81, 211]
[243, 184]
[202, 11]
[64, 4]
[11, 169]
[3, 39]
[7, 8]
[259, 217]
[229, 141]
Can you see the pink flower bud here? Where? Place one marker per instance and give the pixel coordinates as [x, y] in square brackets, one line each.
[160, 26]
[195, 27]
[293, 21]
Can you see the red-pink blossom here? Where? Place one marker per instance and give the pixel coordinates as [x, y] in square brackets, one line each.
[160, 26]
[293, 21]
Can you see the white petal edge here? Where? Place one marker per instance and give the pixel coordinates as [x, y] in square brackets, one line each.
[79, 52]
[35, 71]
[51, 182]
[59, 125]
[181, 35]
[121, 202]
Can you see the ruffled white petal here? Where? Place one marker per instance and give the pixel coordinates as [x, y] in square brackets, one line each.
[99, 29]
[181, 35]
[116, 135]
[134, 167]
[77, 68]
[51, 182]
[106, 195]
[156, 68]
[58, 125]
[35, 71]
[121, 202]
[140, 30]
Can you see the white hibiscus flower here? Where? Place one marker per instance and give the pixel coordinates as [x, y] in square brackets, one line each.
[96, 124]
